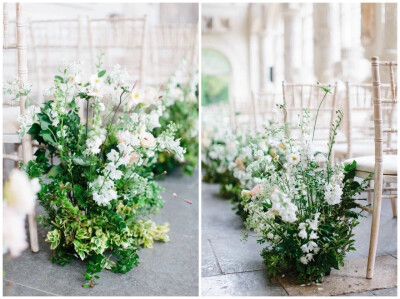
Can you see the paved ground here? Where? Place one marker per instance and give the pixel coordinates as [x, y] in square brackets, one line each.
[167, 269]
[231, 267]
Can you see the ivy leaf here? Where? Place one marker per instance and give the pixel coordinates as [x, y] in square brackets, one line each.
[101, 73]
[47, 136]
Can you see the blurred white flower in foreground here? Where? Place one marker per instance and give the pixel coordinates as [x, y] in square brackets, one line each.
[19, 195]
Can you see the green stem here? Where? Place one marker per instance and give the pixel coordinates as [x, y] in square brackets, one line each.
[316, 117]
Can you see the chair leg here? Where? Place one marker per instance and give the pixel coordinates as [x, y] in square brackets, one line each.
[374, 230]
[369, 194]
[33, 235]
[394, 210]
[16, 151]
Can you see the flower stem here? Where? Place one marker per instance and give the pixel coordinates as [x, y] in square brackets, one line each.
[316, 117]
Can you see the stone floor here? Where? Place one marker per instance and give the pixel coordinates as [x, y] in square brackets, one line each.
[231, 267]
[167, 269]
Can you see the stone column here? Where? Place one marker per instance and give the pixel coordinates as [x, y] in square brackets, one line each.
[326, 44]
[353, 66]
[292, 42]
[390, 32]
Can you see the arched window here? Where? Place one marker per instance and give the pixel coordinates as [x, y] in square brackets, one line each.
[215, 77]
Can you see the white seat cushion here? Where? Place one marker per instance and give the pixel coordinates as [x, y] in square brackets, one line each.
[10, 116]
[366, 165]
[358, 149]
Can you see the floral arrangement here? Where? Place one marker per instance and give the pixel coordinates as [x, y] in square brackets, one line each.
[97, 187]
[303, 213]
[19, 195]
[227, 156]
[180, 99]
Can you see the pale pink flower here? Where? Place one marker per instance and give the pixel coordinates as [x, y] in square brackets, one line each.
[257, 190]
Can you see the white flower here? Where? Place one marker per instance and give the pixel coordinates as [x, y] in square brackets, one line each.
[304, 260]
[309, 256]
[147, 140]
[94, 144]
[115, 174]
[95, 91]
[333, 194]
[313, 236]
[151, 96]
[302, 225]
[270, 235]
[113, 156]
[136, 97]
[20, 193]
[304, 248]
[294, 158]
[302, 234]
[95, 80]
[281, 203]
[14, 234]
[76, 79]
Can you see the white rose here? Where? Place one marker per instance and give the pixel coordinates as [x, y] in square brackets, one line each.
[20, 193]
[147, 140]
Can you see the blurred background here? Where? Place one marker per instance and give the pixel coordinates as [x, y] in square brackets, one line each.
[254, 47]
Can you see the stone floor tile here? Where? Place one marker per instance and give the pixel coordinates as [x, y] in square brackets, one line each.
[254, 283]
[385, 292]
[13, 289]
[234, 255]
[209, 266]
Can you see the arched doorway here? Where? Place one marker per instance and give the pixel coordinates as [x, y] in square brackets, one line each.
[215, 77]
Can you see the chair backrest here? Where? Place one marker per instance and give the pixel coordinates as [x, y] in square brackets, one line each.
[359, 116]
[168, 46]
[380, 104]
[19, 45]
[297, 97]
[242, 113]
[123, 41]
[265, 109]
[22, 63]
[51, 41]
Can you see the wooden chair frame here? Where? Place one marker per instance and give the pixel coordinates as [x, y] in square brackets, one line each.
[23, 78]
[379, 152]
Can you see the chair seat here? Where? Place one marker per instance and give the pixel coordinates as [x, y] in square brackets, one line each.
[366, 165]
[358, 149]
[10, 116]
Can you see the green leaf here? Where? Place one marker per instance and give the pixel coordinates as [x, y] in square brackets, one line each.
[86, 285]
[44, 120]
[101, 73]
[54, 171]
[47, 136]
[35, 129]
[81, 161]
[59, 78]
